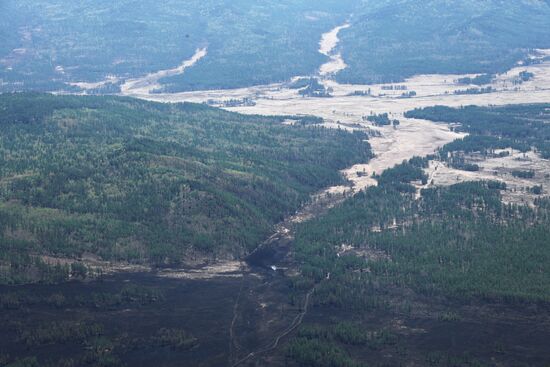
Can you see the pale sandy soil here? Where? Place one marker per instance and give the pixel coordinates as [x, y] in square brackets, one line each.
[497, 169]
[217, 270]
[222, 268]
[146, 84]
[88, 86]
[327, 47]
[330, 40]
[364, 252]
[411, 138]
[60, 69]
[431, 90]
[150, 82]
[95, 265]
[391, 146]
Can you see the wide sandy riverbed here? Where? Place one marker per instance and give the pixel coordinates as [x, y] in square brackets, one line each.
[346, 109]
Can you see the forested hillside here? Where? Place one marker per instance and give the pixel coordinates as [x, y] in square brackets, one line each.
[47, 43]
[390, 40]
[458, 241]
[136, 181]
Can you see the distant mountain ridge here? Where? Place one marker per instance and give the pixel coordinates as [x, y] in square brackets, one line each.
[397, 39]
[46, 44]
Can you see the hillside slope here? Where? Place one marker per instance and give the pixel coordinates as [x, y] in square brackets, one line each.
[48, 44]
[394, 39]
[145, 182]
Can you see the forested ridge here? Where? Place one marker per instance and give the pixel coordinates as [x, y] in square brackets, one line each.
[143, 182]
[49, 44]
[248, 42]
[391, 40]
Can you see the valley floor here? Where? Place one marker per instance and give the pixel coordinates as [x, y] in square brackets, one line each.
[349, 105]
[435, 326]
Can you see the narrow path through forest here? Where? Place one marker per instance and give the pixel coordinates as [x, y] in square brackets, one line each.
[284, 235]
[273, 345]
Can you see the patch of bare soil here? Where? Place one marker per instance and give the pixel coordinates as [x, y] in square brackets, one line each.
[496, 168]
[90, 85]
[97, 266]
[347, 111]
[327, 45]
[233, 269]
[150, 82]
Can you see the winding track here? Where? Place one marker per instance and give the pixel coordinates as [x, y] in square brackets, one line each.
[233, 344]
[273, 345]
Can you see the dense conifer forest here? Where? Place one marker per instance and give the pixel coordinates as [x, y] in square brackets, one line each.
[143, 182]
[392, 40]
[392, 245]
